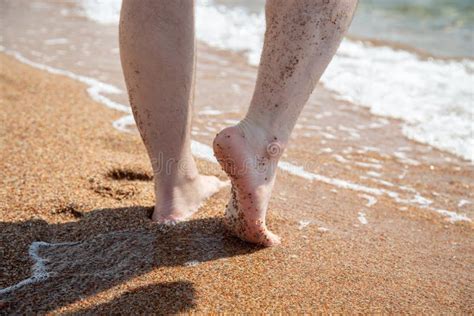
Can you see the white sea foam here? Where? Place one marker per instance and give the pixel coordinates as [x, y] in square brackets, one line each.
[340, 159]
[463, 202]
[362, 219]
[102, 11]
[326, 150]
[323, 229]
[67, 258]
[370, 199]
[368, 165]
[230, 122]
[417, 199]
[96, 89]
[374, 174]
[125, 123]
[402, 157]
[191, 263]
[303, 224]
[209, 111]
[433, 97]
[56, 41]
[453, 216]
[39, 272]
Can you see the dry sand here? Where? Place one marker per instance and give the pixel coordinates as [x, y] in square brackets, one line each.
[68, 176]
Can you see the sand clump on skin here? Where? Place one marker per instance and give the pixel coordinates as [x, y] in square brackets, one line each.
[55, 141]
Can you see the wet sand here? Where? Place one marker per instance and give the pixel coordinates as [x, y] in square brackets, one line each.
[69, 176]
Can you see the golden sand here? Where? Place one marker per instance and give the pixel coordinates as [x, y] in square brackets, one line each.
[68, 176]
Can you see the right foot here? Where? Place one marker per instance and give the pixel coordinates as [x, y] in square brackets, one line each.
[249, 157]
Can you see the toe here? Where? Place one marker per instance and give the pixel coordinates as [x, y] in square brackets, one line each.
[167, 221]
[271, 239]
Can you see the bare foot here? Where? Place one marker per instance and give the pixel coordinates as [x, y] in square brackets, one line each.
[249, 157]
[177, 203]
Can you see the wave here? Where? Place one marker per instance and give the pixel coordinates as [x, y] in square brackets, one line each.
[433, 97]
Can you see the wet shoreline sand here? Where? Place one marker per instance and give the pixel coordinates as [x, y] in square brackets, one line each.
[68, 176]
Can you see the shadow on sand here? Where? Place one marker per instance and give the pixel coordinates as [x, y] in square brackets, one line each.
[103, 249]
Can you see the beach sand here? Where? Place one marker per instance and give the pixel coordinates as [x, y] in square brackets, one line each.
[69, 177]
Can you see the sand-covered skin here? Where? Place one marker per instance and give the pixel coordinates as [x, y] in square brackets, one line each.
[68, 176]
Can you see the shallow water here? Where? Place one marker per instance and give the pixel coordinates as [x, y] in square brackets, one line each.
[430, 94]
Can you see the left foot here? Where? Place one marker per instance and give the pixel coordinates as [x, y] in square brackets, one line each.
[249, 157]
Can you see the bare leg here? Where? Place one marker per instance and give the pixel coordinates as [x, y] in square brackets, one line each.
[157, 49]
[301, 38]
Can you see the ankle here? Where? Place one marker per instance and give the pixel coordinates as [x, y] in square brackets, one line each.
[273, 141]
[175, 179]
[271, 124]
[172, 192]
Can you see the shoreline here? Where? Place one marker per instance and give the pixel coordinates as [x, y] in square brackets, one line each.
[98, 90]
[396, 260]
